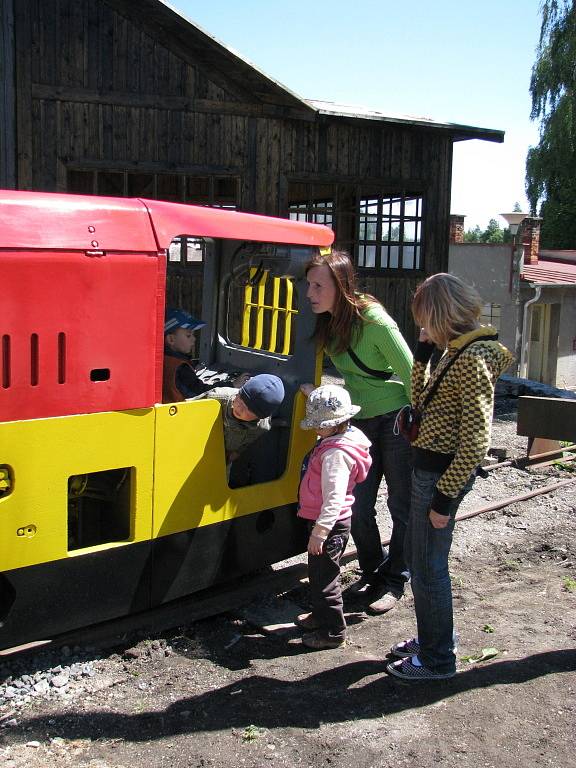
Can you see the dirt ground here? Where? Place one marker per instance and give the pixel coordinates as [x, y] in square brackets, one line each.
[221, 693]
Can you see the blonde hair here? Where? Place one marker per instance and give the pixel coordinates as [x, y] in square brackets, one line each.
[447, 307]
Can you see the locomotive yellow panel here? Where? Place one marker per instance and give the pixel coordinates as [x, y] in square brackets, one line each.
[190, 486]
[51, 464]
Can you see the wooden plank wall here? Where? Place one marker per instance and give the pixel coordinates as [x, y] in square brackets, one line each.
[97, 90]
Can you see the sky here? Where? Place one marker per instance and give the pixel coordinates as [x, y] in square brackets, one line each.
[450, 60]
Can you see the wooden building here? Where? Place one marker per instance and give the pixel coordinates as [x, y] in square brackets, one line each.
[127, 97]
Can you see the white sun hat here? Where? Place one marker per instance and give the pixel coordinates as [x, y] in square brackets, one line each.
[327, 406]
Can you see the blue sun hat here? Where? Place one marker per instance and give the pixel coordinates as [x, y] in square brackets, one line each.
[178, 318]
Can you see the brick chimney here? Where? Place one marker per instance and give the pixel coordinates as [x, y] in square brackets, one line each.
[456, 228]
[530, 238]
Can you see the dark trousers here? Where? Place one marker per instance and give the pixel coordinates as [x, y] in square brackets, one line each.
[324, 577]
[391, 460]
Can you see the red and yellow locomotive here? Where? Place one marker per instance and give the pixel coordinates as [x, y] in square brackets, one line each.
[110, 501]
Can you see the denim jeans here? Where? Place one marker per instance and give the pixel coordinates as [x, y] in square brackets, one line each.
[324, 577]
[391, 459]
[427, 550]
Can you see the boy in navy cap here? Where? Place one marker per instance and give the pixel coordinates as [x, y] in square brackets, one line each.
[246, 411]
[180, 380]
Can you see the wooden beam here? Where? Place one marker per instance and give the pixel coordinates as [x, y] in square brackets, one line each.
[7, 97]
[547, 417]
[158, 101]
[23, 68]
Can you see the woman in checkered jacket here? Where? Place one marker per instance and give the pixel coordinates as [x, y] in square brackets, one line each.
[452, 440]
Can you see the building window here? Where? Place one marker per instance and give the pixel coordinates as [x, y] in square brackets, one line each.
[491, 315]
[314, 203]
[389, 232]
[212, 190]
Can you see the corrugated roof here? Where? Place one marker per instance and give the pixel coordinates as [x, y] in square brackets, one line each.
[460, 132]
[550, 272]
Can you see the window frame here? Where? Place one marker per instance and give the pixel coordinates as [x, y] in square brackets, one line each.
[305, 204]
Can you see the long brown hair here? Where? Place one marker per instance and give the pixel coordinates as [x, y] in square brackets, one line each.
[447, 307]
[337, 329]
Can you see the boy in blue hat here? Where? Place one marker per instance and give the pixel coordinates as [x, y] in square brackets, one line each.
[246, 411]
[180, 380]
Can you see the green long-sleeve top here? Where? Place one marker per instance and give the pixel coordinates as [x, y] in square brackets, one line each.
[381, 347]
[457, 419]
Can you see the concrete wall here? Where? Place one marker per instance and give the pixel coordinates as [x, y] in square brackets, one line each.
[563, 330]
[489, 269]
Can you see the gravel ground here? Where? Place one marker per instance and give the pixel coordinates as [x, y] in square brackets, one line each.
[222, 693]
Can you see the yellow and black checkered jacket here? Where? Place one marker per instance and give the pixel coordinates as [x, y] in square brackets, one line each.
[456, 422]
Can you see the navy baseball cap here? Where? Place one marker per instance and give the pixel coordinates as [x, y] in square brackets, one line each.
[178, 318]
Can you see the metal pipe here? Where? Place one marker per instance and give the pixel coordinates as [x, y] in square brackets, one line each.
[524, 460]
[524, 340]
[513, 499]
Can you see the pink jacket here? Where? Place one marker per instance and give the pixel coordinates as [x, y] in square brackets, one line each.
[357, 447]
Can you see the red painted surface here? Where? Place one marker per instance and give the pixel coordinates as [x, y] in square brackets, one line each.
[83, 290]
[171, 219]
[45, 220]
[67, 318]
[42, 220]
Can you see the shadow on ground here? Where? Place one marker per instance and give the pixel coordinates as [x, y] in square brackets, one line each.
[325, 697]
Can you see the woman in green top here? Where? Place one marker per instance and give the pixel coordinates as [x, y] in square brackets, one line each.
[367, 348]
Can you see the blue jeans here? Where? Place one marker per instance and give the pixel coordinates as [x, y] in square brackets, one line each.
[391, 459]
[427, 550]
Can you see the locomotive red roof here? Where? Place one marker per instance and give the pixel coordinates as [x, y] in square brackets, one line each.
[47, 220]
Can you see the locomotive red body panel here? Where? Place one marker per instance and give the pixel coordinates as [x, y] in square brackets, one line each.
[78, 333]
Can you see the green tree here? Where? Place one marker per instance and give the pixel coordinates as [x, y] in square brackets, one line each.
[492, 234]
[473, 235]
[551, 165]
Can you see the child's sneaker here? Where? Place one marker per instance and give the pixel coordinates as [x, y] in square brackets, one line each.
[320, 641]
[307, 621]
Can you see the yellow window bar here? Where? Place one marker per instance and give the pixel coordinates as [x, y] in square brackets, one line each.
[274, 311]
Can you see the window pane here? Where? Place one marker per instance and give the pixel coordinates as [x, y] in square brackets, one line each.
[169, 187]
[198, 189]
[408, 257]
[395, 231]
[80, 182]
[140, 185]
[393, 254]
[417, 264]
[409, 231]
[370, 257]
[111, 183]
[411, 206]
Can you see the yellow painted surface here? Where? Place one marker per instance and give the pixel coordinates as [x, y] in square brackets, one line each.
[43, 453]
[190, 488]
[178, 482]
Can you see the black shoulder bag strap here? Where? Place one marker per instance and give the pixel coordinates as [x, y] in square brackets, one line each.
[370, 371]
[432, 391]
